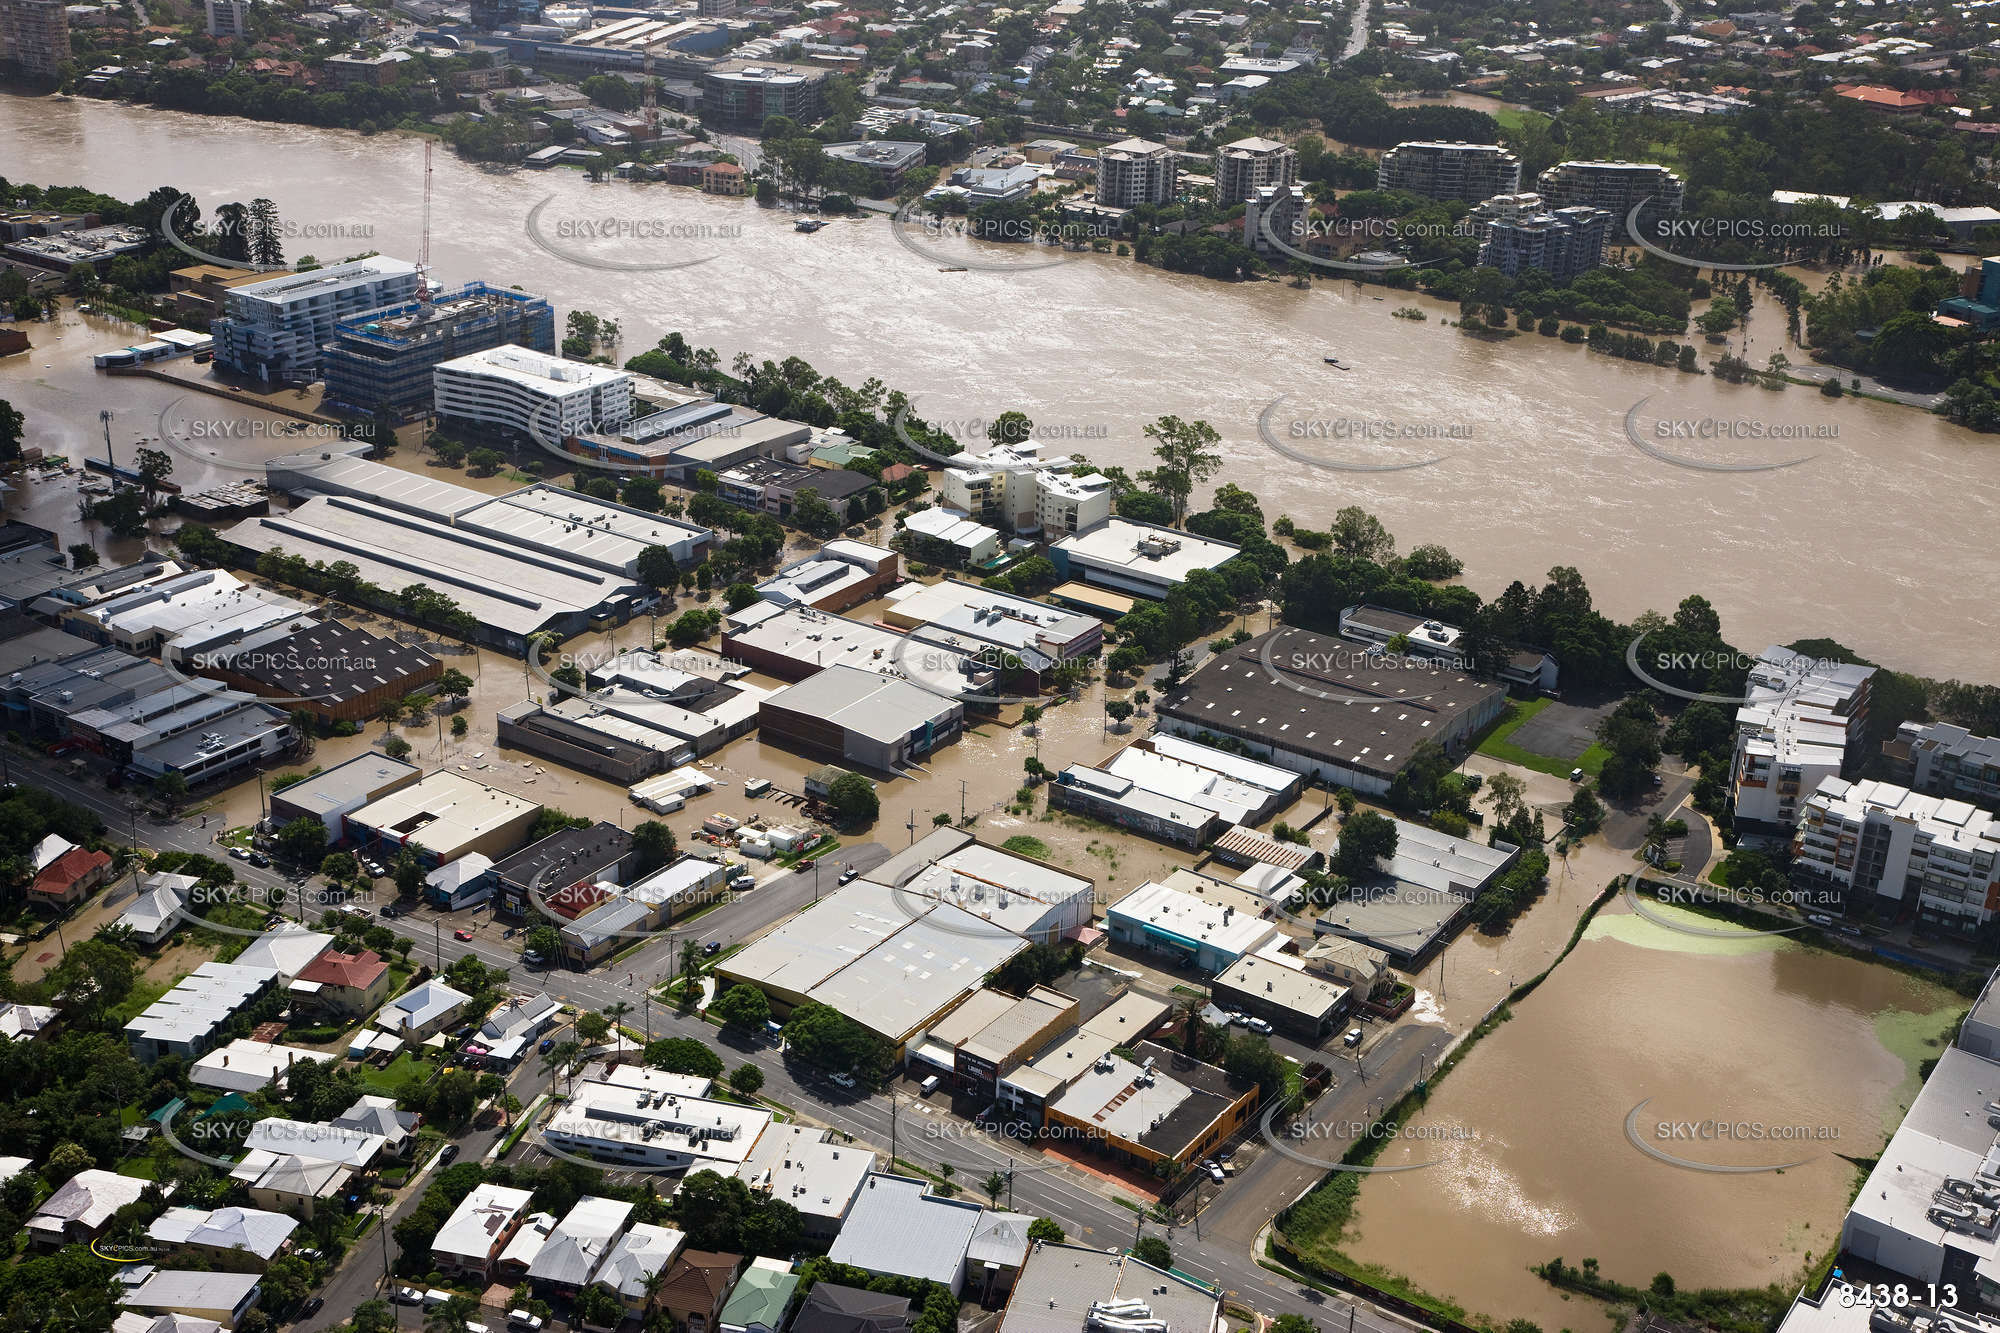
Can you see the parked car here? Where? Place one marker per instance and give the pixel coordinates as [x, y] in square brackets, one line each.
[712, 948]
[434, 1298]
[1353, 1037]
[529, 958]
[929, 1085]
[1258, 1026]
[407, 1296]
[1819, 918]
[807, 864]
[548, 1044]
[313, 1305]
[1214, 1172]
[742, 883]
[849, 876]
[522, 1321]
[1236, 1017]
[259, 859]
[447, 1154]
[239, 853]
[843, 1080]
[1576, 775]
[461, 934]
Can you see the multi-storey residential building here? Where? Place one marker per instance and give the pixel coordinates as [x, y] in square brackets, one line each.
[1888, 849]
[1271, 218]
[1465, 171]
[34, 34]
[744, 92]
[383, 360]
[1136, 171]
[1246, 166]
[1801, 723]
[1944, 760]
[518, 388]
[1562, 243]
[1014, 486]
[1068, 502]
[274, 329]
[229, 18]
[1616, 187]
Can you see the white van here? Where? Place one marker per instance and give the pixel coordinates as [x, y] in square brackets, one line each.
[522, 1321]
[434, 1298]
[930, 1085]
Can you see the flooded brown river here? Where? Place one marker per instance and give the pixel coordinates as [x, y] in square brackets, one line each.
[1879, 540]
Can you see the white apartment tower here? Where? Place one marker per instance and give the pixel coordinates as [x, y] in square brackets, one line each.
[274, 329]
[1246, 166]
[1801, 723]
[1886, 847]
[519, 389]
[1136, 171]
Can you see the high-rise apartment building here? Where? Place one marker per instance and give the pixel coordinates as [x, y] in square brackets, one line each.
[1246, 166]
[1465, 171]
[1887, 849]
[383, 359]
[275, 329]
[34, 34]
[1137, 171]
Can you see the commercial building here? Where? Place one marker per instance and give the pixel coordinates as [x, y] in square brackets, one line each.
[1927, 1211]
[471, 1240]
[691, 433]
[992, 1031]
[1023, 639]
[1136, 171]
[445, 815]
[1290, 998]
[179, 617]
[1468, 172]
[793, 643]
[332, 795]
[890, 960]
[189, 1018]
[1026, 896]
[843, 573]
[745, 93]
[1946, 760]
[1205, 932]
[1161, 1106]
[274, 329]
[382, 361]
[1426, 636]
[1884, 849]
[1248, 165]
[1802, 722]
[1301, 701]
[334, 671]
[942, 537]
[1069, 1288]
[609, 917]
[561, 861]
[773, 486]
[1421, 895]
[634, 1127]
[1616, 187]
[1027, 1088]
[1176, 790]
[36, 34]
[898, 1228]
[1138, 557]
[819, 1176]
[862, 717]
[886, 159]
[532, 393]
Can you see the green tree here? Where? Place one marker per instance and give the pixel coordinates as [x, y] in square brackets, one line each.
[657, 568]
[1150, 1250]
[82, 555]
[12, 424]
[1048, 1229]
[745, 1079]
[741, 1006]
[303, 841]
[1366, 839]
[684, 1055]
[653, 845]
[1188, 456]
[853, 796]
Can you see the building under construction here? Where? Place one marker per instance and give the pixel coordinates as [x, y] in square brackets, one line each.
[382, 361]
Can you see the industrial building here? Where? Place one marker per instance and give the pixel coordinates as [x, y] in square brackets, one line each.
[890, 961]
[876, 721]
[1138, 557]
[334, 671]
[219, 744]
[564, 859]
[1303, 701]
[795, 642]
[330, 796]
[1420, 897]
[1026, 896]
[610, 916]
[1204, 931]
[1176, 790]
[382, 360]
[274, 329]
[841, 574]
[1529, 669]
[446, 815]
[176, 618]
[1023, 639]
[1026, 1088]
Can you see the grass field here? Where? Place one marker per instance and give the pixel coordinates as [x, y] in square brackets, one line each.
[1499, 744]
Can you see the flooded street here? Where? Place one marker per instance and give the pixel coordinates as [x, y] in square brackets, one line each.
[1539, 471]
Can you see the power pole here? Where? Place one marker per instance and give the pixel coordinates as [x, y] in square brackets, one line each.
[961, 800]
[892, 1133]
[110, 461]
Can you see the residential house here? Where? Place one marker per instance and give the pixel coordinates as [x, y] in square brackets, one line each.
[346, 985]
[24, 1022]
[244, 1239]
[629, 1268]
[697, 1287]
[832, 1308]
[158, 909]
[379, 1115]
[69, 879]
[478, 1231]
[79, 1209]
[511, 1030]
[579, 1244]
[762, 1299]
[420, 1013]
[222, 1297]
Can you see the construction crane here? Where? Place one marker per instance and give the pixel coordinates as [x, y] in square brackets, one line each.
[424, 238]
[651, 101]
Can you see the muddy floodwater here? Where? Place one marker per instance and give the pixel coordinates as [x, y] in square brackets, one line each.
[1538, 470]
[1735, 1052]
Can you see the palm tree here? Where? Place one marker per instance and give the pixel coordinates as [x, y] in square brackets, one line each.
[654, 1281]
[947, 1170]
[614, 1012]
[453, 1315]
[690, 958]
[560, 1058]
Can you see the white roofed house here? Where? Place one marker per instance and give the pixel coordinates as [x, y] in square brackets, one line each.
[157, 910]
[993, 1257]
[222, 1297]
[80, 1208]
[579, 1244]
[231, 1238]
[639, 1254]
[379, 1115]
[479, 1229]
[24, 1022]
[512, 1028]
[900, 1229]
[245, 1065]
[417, 1014]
